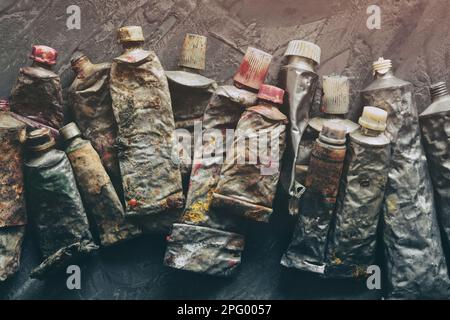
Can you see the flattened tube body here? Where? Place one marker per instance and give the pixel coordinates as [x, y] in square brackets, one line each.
[37, 95]
[190, 95]
[100, 199]
[300, 86]
[57, 211]
[91, 106]
[352, 242]
[307, 249]
[206, 240]
[416, 266]
[249, 176]
[436, 138]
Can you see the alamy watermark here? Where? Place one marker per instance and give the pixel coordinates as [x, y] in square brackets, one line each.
[74, 17]
[73, 281]
[374, 278]
[374, 19]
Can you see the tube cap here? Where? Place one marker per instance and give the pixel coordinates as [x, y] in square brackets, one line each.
[438, 89]
[381, 66]
[130, 34]
[333, 133]
[304, 49]
[44, 54]
[70, 131]
[271, 93]
[373, 118]
[336, 99]
[193, 53]
[253, 69]
[39, 140]
[4, 105]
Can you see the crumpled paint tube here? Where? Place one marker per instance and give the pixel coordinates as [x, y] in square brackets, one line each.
[190, 94]
[416, 266]
[55, 206]
[146, 135]
[207, 241]
[435, 125]
[91, 106]
[100, 199]
[308, 247]
[300, 80]
[249, 176]
[335, 105]
[352, 242]
[37, 93]
[13, 216]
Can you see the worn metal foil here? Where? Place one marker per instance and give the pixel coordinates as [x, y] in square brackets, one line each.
[204, 250]
[11, 239]
[436, 138]
[300, 86]
[57, 212]
[99, 196]
[13, 216]
[12, 204]
[37, 95]
[308, 246]
[147, 147]
[353, 239]
[416, 266]
[91, 107]
[249, 176]
[190, 95]
[204, 233]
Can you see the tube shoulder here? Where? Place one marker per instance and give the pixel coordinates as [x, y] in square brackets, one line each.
[440, 106]
[37, 72]
[134, 56]
[46, 160]
[240, 96]
[317, 124]
[189, 79]
[378, 141]
[383, 83]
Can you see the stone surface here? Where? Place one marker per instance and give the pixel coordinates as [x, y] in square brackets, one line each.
[414, 34]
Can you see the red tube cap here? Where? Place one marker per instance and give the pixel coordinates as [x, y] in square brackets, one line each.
[44, 54]
[4, 104]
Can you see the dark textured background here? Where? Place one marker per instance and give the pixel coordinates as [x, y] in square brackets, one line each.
[414, 34]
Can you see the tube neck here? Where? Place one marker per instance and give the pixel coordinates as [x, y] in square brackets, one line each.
[370, 132]
[302, 63]
[244, 87]
[267, 103]
[33, 154]
[42, 149]
[388, 75]
[41, 65]
[190, 70]
[83, 68]
[331, 141]
[74, 139]
[331, 116]
[130, 46]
